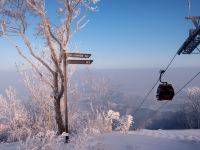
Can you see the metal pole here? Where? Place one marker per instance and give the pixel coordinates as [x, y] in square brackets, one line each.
[65, 96]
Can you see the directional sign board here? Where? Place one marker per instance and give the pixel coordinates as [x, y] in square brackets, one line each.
[87, 62]
[78, 55]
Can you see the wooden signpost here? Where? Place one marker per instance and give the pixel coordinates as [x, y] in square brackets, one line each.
[78, 55]
[65, 64]
[87, 62]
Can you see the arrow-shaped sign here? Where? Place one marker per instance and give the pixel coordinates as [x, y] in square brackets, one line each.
[78, 55]
[88, 62]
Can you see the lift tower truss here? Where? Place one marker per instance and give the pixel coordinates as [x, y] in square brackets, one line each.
[190, 46]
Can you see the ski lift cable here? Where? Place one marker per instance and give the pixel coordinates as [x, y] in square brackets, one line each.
[187, 83]
[155, 112]
[170, 63]
[146, 96]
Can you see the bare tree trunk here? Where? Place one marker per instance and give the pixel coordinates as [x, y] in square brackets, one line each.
[58, 114]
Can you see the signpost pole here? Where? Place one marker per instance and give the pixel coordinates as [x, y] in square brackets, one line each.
[65, 65]
[65, 96]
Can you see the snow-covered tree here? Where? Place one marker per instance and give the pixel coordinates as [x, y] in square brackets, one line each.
[192, 107]
[21, 21]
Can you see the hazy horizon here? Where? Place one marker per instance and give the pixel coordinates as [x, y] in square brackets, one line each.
[132, 82]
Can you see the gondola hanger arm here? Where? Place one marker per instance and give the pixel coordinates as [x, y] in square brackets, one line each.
[160, 78]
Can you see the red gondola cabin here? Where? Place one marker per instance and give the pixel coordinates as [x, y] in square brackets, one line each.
[165, 92]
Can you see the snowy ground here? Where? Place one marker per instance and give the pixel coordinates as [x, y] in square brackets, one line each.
[140, 140]
[153, 140]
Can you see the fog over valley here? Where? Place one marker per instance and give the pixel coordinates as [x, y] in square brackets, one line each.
[133, 84]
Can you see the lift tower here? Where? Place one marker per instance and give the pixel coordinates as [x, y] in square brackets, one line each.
[190, 46]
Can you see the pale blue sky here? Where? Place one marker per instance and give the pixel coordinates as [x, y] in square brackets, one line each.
[130, 34]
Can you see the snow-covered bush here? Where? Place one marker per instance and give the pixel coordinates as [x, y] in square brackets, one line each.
[120, 123]
[113, 115]
[42, 141]
[21, 118]
[14, 117]
[94, 123]
[83, 130]
[100, 122]
[114, 118]
[125, 123]
[40, 95]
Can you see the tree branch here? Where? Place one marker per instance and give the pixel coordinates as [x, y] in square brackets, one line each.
[26, 41]
[47, 29]
[28, 60]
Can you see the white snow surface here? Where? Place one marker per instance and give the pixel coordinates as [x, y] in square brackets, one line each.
[153, 140]
[138, 140]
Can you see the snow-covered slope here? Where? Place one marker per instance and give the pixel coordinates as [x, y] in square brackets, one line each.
[185, 135]
[138, 140]
[153, 140]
